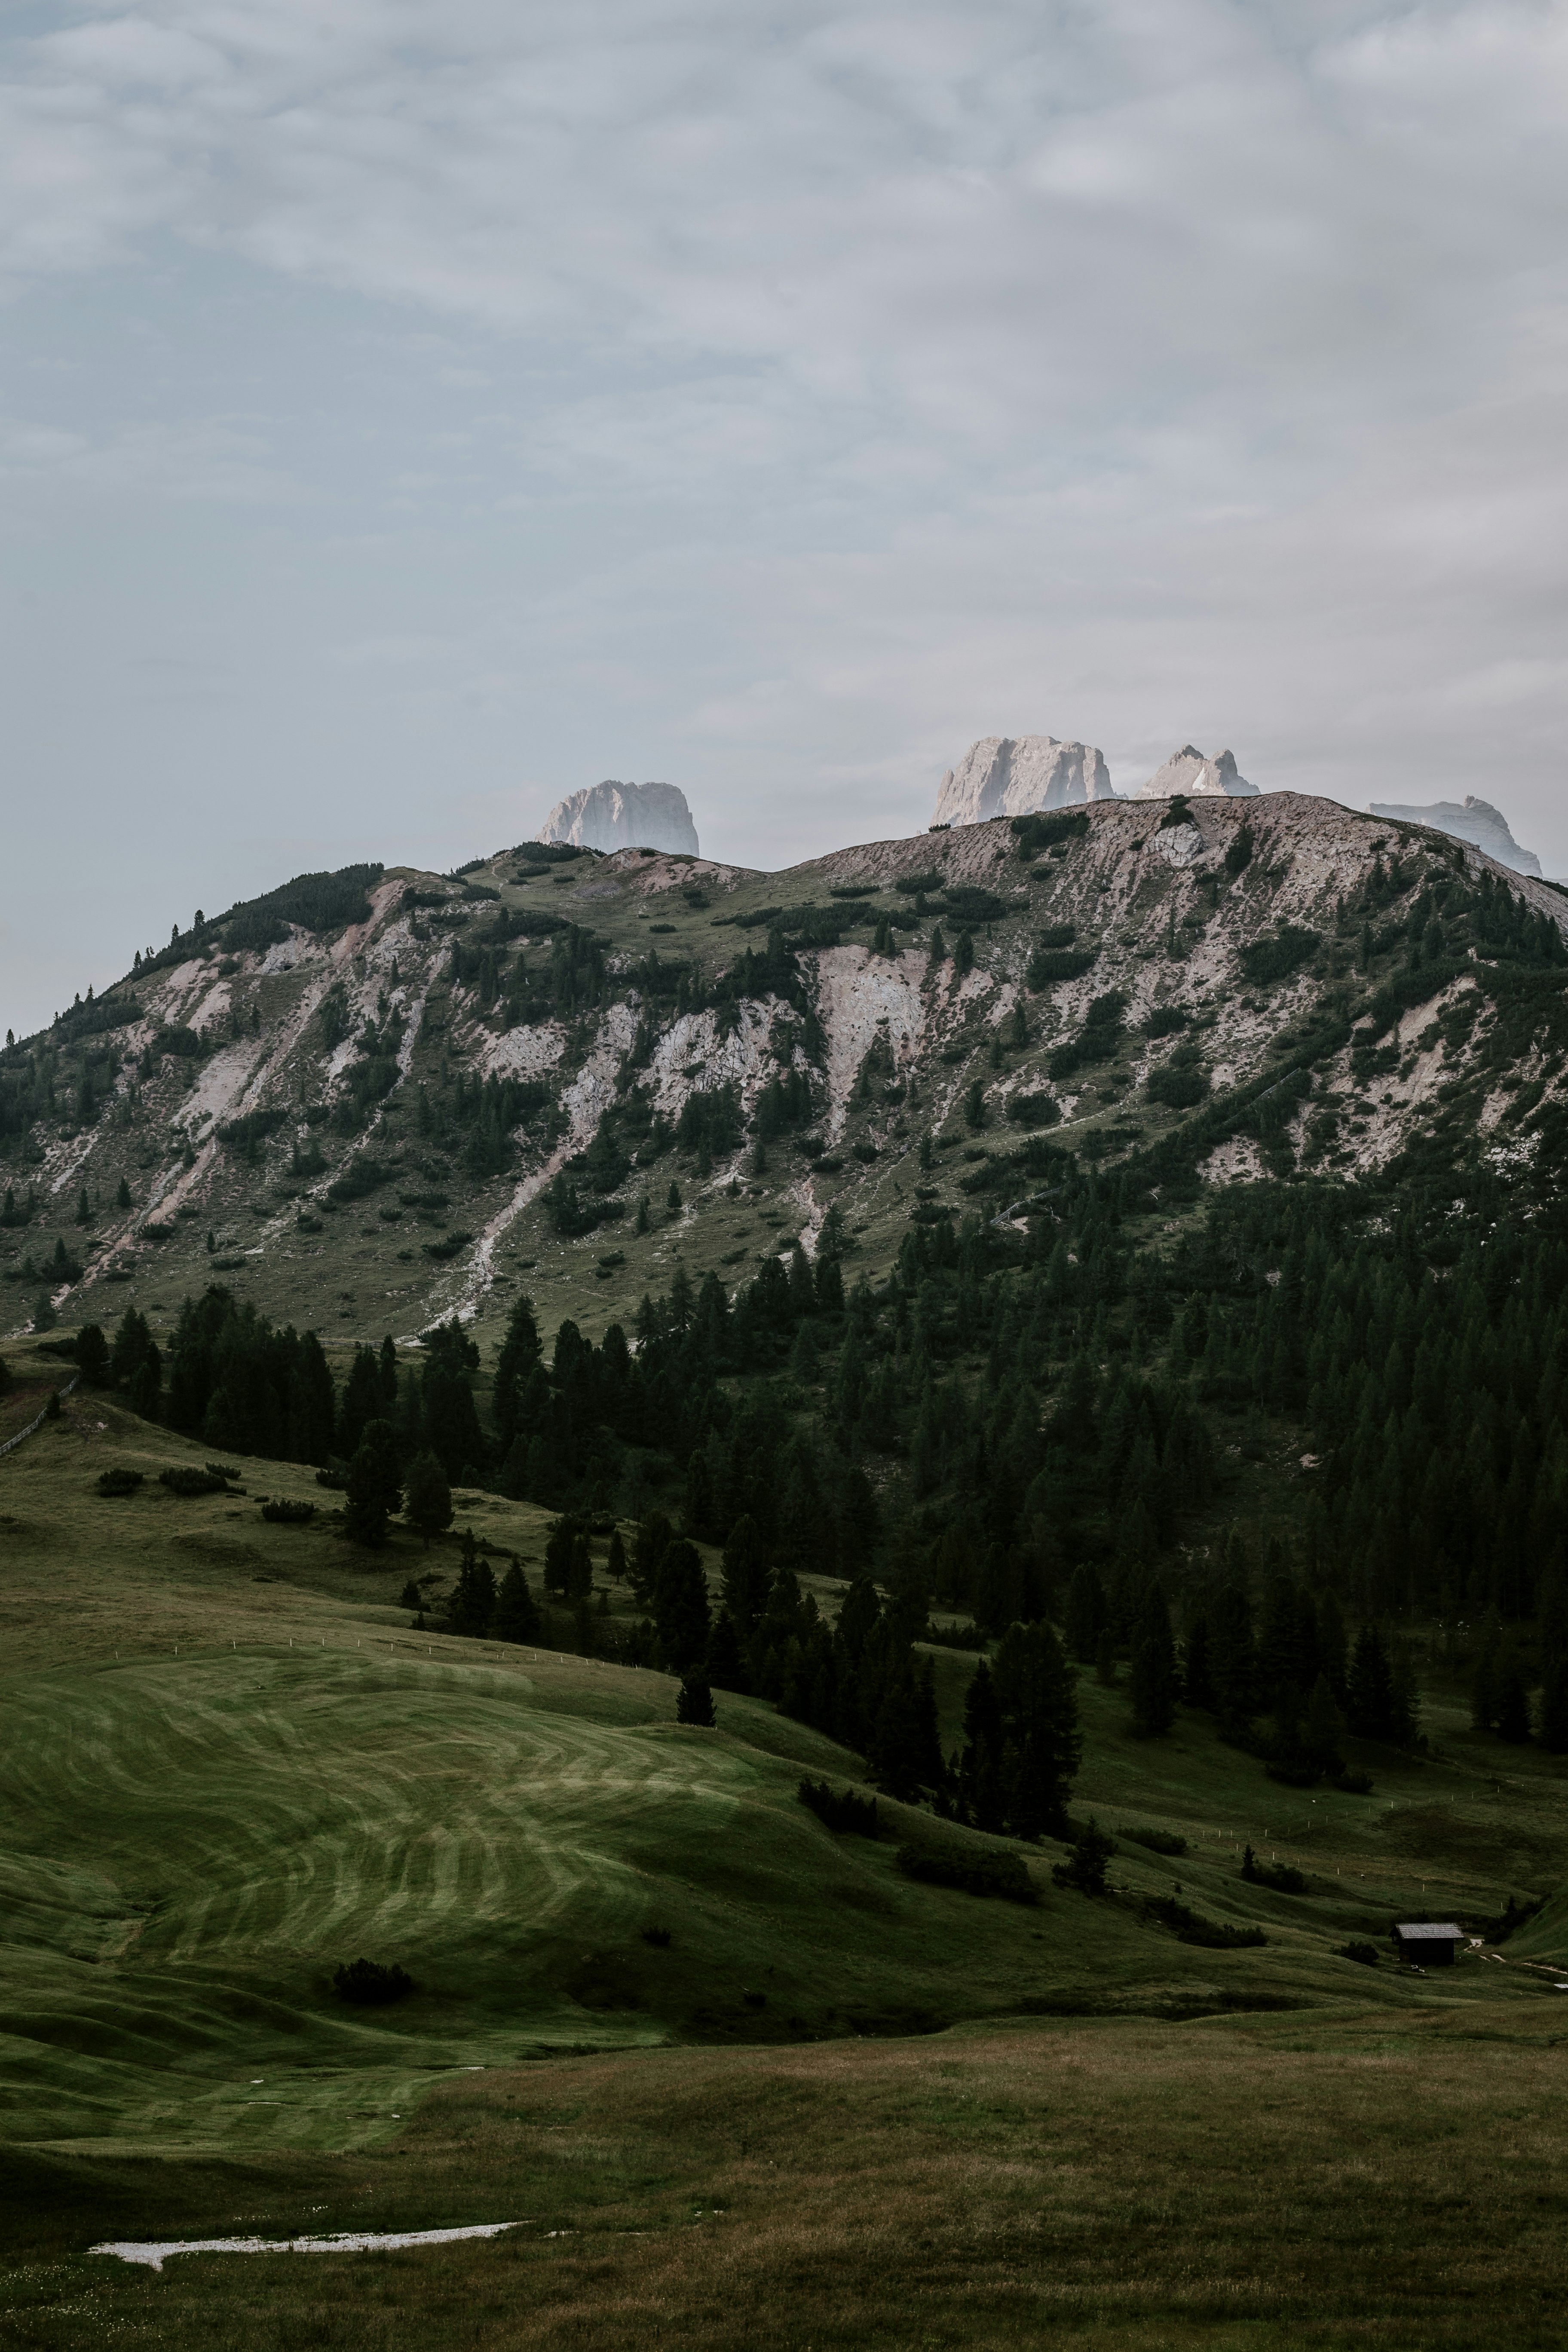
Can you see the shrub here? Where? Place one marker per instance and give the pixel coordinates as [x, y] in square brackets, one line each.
[448, 1246]
[1049, 965]
[1157, 1841]
[1281, 954]
[192, 1482]
[223, 1470]
[1037, 1110]
[967, 904]
[285, 1514]
[1036, 832]
[955, 1637]
[1513, 1915]
[1192, 1927]
[120, 1481]
[1177, 1085]
[1239, 854]
[1084, 1866]
[847, 1814]
[1357, 1949]
[1165, 1021]
[1280, 1876]
[369, 1984]
[336, 1479]
[970, 1873]
[658, 1936]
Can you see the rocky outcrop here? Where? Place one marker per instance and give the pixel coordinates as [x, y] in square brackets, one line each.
[1477, 821]
[1188, 771]
[612, 816]
[1013, 775]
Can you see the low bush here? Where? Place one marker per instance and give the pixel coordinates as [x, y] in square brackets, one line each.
[1036, 1109]
[1037, 832]
[192, 1482]
[1513, 1915]
[120, 1481]
[1047, 966]
[337, 1479]
[1157, 1841]
[448, 1246]
[1192, 1927]
[1357, 1949]
[285, 1514]
[847, 1814]
[658, 1936]
[1178, 1085]
[369, 1984]
[970, 1873]
[1276, 957]
[1280, 1876]
[224, 1470]
[1165, 1021]
[955, 1637]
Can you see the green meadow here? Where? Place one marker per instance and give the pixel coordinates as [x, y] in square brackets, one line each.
[824, 2105]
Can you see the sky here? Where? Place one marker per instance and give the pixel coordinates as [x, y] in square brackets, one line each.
[410, 414]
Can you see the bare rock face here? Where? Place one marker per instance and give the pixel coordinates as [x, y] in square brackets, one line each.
[1477, 821]
[1188, 771]
[612, 816]
[1015, 776]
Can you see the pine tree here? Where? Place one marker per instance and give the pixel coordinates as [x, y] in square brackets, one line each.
[1153, 1682]
[517, 1612]
[1512, 1705]
[723, 1665]
[1085, 1866]
[92, 1356]
[472, 1605]
[1370, 1693]
[1320, 1730]
[979, 1768]
[694, 1701]
[1551, 1728]
[1198, 1683]
[519, 1356]
[615, 1557]
[672, 1198]
[1037, 1701]
[375, 1484]
[428, 1498]
[123, 1196]
[681, 1613]
[1088, 1613]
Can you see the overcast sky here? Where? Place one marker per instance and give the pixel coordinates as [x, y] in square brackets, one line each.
[412, 413]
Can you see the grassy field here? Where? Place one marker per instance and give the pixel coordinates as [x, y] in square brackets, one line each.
[229, 1764]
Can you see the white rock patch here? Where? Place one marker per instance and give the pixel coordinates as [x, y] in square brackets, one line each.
[153, 2254]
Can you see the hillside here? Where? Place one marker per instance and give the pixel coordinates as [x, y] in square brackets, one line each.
[379, 1099]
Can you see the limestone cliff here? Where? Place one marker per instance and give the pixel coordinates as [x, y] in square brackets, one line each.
[612, 816]
[1188, 771]
[1013, 775]
[1475, 821]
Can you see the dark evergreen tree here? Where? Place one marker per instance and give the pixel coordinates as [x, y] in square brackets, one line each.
[374, 1485]
[1152, 1684]
[694, 1701]
[681, 1614]
[746, 1577]
[1369, 1691]
[472, 1606]
[520, 1357]
[92, 1356]
[1037, 1701]
[517, 1613]
[1088, 1613]
[428, 1498]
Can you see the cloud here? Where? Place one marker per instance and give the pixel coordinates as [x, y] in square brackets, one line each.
[776, 399]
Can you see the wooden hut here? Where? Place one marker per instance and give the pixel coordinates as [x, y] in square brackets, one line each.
[1428, 1943]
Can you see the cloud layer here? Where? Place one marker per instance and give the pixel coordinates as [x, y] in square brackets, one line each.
[411, 415]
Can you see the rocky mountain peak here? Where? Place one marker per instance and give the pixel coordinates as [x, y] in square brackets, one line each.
[1018, 775]
[1475, 821]
[612, 816]
[1188, 771]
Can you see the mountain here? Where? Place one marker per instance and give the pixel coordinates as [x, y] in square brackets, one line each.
[612, 816]
[1474, 821]
[1015, 775]
[1188, 771]
[371, 1100]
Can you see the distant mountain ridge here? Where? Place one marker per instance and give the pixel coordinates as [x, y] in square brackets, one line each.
[1470, 820]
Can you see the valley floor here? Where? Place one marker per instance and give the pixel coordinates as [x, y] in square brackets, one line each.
[823, 2105]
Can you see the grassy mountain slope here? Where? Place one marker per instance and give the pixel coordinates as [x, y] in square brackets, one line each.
[367, 1120]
